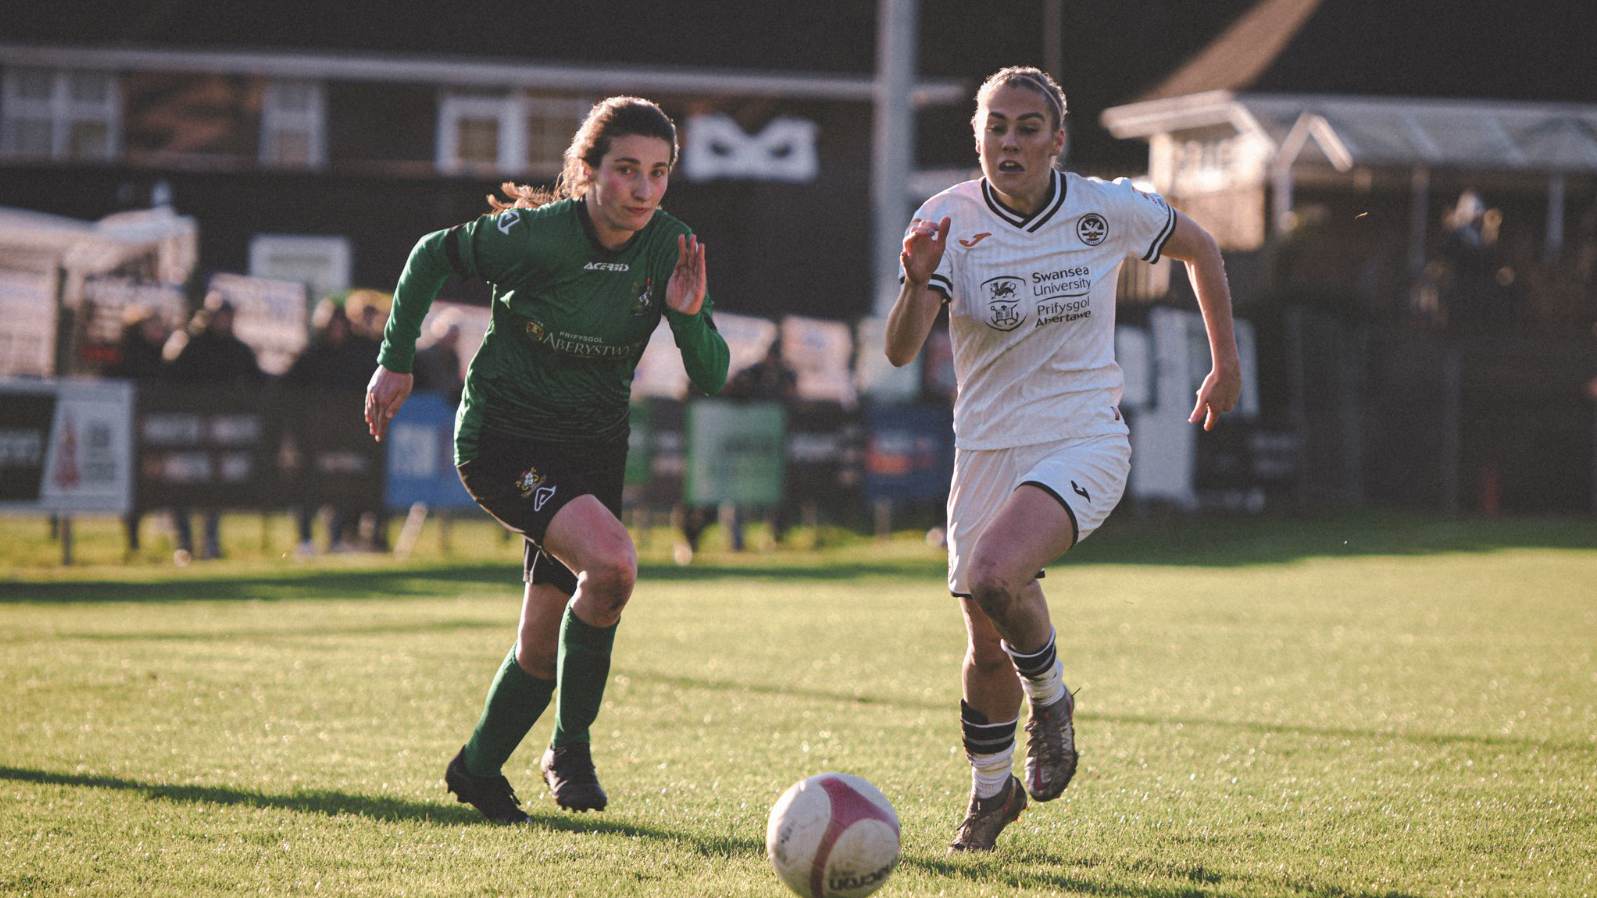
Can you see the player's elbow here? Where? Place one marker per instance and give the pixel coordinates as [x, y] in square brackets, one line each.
[898, 355]
[711, 385]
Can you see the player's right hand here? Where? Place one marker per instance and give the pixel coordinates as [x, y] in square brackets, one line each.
[923, 249]
[387, 391]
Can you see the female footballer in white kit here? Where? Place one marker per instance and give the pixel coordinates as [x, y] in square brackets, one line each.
[1027, 258]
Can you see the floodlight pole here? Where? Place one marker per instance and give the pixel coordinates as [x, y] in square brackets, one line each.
[892, 142]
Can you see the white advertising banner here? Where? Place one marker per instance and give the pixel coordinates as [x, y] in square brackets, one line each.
[66, 446]
[27, 323]
[821, 353]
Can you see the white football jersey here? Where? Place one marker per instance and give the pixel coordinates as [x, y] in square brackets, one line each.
[1032, 305]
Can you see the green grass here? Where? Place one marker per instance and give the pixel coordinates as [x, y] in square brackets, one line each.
[1355, 705]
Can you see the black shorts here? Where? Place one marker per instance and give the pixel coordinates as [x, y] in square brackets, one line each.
[523, 483]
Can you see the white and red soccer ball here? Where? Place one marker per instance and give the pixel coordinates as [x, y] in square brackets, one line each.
[833, 835]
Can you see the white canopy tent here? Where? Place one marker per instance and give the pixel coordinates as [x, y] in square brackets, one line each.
[46, 261]
[1281, 139]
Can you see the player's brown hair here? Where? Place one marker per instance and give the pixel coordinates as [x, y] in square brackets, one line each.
[606, 121]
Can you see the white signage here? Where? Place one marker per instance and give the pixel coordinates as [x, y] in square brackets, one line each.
[718, 148]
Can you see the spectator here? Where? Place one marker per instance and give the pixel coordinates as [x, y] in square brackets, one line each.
[771, 379]
[438, 362]
[367, 318]
[139, 359]
[144, 333]
[1469, 250]
[211, 355]
[334, 363]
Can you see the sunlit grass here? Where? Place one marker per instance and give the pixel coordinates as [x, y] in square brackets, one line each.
[1263, 710]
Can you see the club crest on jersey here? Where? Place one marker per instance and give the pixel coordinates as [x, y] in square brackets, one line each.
[531, 486]
[535, 331]
[1003, 303]
[644, 304]
[1092, 229]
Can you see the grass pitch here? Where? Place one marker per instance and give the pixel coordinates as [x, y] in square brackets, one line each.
[1344, 707]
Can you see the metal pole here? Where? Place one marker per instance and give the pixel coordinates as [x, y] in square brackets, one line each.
[1452, 426]
[1554, 244]
[1418, 222]
[1053, 26]
[892, 142]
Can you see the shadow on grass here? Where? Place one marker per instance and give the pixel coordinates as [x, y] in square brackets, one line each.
[1241, 541]
[333, 804]
[1132, 539]
[746, 688]
[1030, 867]
[430, 581]
[1041, 869]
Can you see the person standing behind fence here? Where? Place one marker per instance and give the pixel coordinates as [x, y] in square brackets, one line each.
[771, 379]
[213, 357]
[581, 277]
[437, 367]
[139, 359]
[1027, 258]
[334, 365]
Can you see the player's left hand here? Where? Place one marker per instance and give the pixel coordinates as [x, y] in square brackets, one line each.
[685, 291]
[1218, 394]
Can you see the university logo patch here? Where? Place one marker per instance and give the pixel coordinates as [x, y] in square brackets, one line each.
[1003, 303]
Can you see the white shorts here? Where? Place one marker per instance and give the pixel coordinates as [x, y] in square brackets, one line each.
[1086, 474]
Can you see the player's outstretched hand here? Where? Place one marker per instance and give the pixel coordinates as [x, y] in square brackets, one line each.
[923, 249]
[387, 391]
[685, 291]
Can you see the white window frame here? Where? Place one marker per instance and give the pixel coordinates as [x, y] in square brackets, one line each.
[568, 112]
[280, 118]
[60, 112]
[506, 110]
[512, 113]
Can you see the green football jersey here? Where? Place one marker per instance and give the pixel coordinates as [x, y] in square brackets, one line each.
[570, 321]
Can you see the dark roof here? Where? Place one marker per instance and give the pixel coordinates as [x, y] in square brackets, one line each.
[1110, 51]
[1464, 49]
[696, 33]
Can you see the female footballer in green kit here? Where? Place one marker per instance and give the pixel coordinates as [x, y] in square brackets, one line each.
[581, 277]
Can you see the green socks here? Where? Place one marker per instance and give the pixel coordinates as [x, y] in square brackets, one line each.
[515, 701]
[584, 668]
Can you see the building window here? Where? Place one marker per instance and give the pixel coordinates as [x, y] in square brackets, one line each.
[62, 115]
[505, 134]
[292, 116]
[550, 122]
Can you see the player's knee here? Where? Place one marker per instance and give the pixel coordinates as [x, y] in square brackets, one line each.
[609, 580]
[992, 590]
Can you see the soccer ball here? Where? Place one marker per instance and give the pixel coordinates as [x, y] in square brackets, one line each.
[833, 835]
